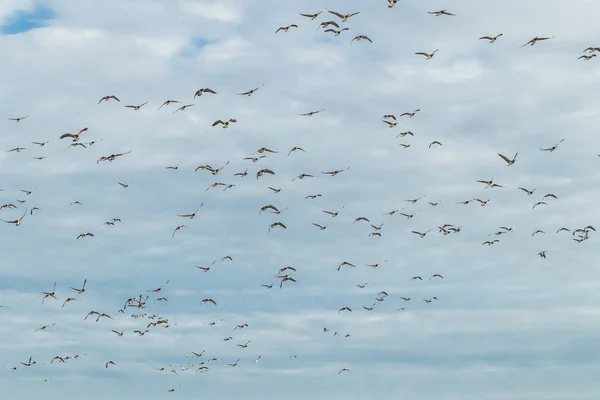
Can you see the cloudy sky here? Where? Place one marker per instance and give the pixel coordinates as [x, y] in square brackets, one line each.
[507, 323]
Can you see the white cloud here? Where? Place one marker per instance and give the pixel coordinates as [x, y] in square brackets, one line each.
[507, 323]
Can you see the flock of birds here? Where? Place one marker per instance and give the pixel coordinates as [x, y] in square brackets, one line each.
[18, 212]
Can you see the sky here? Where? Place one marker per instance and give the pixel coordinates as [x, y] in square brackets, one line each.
[506, 323]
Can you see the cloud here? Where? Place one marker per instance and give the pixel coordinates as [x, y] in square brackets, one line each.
[507, 323]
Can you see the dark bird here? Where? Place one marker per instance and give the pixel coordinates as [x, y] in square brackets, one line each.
[440, 13]
[508, 160]
[492, 39]
[428, 56]
[136, 108]
[361, 37]
[286, 28]
[107, 98]
[535, 40]
[343, 17]
[18, 119]
[200, 92]
[311, 16]
[250, 92]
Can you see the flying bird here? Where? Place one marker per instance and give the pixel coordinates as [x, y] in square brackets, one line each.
[250, 92]
[492, 39]
[286, 28]
[427, 56]
[361, 37]
[136, 108]
[343, 17]
[200, 92]
[18, 119]
[535, 40]
[508, 160]
[440, 13]
[107, 98]
[311, 16]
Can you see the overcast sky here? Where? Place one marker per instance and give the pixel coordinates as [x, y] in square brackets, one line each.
[507, 323]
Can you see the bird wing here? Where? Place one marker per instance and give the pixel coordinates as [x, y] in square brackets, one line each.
[504, 158]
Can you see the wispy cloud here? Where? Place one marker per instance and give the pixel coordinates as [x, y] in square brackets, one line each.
[507, 323]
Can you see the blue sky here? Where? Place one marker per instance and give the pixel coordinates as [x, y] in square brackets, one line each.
[507, 324]
[22, 21]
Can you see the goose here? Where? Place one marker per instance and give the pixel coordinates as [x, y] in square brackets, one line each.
[535, 40]
[440, 13]
[427, 56]
[286, 28]
[343, 17]
[107, 98]
[492, 39]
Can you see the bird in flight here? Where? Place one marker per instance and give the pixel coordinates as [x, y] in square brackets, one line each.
[18, 119]
[311, 16]
[311, 113]
[361, 37]
[551, 149]
[136, 108]
[492, 39]
[192, 215]
[286, 28]
[250, 92]
[107, 98]
[508, 160]
[17, 222]
[536, 39]
[166, 103]
[427, 56]
[440, 13]
[200, 92]
[343, 17]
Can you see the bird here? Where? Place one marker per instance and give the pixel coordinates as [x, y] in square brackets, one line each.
[16, 222]
[166, 103]
[343, 17]
[552, 148]
[82, 289]
[286, 28]
[586, 57]
[178, 228]
[250, 92]
[311, 113]
[428, 56]
[311, 16]
[434, 142]
[264, 171]
[492, 39]
[421, 234]
[18, 119]
[183, 108]
[336, 32]
[200, 92]
[192, 215]
[224, 123]
[508, 160]
[362, 37]
[107, 98]
[277, 224]
[136, 108]
[536, 39]
[440, 13]
[529, 192]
